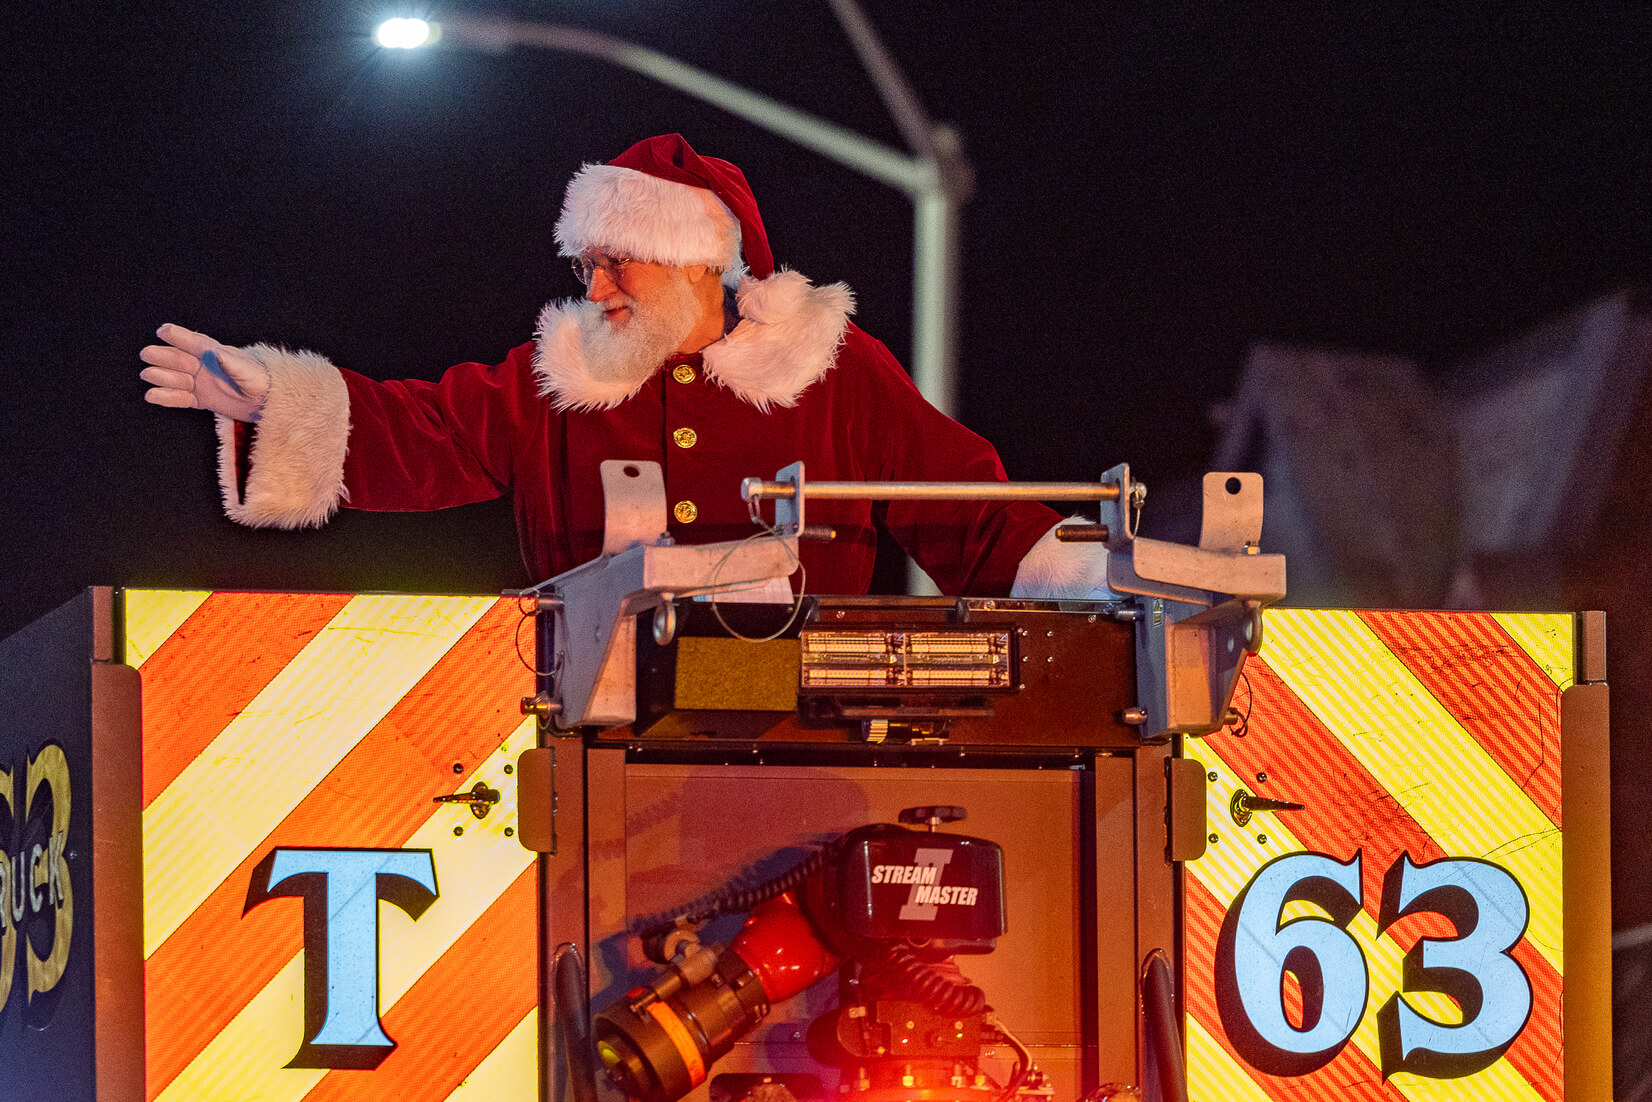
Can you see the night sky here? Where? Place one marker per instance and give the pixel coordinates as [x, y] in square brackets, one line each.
[1159, 185]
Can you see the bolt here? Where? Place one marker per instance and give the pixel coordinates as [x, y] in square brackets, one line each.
[1261, 778]
[1262, 839]
[1211, 776]
[1211, 838]
[509, 769]
[510, 832]
[458, 767]
[458, 831]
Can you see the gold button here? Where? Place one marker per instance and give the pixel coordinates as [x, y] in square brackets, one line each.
[685, 438]
[686, 511]
[683, 373]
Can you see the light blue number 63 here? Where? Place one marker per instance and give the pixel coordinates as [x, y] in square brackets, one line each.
[1256, 949]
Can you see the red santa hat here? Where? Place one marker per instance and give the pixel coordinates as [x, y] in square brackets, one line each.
[663, 202]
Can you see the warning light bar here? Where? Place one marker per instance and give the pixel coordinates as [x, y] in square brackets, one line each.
[884, 659]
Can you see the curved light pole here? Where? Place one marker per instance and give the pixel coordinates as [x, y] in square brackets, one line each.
[936, 174]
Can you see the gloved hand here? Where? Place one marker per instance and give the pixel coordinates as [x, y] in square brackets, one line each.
[193, 371]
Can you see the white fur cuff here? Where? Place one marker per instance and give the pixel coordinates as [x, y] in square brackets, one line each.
[1053, 570]
[295, 476]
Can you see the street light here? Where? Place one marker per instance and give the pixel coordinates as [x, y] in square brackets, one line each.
[936, 174]
[402, 34]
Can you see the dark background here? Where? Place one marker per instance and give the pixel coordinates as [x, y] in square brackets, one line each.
[1159, 185]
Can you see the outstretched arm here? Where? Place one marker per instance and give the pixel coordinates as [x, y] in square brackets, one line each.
[299, 437]
[282, 421]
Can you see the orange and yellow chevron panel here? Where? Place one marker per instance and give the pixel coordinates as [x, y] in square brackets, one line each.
[1399, 937]
[315, 925]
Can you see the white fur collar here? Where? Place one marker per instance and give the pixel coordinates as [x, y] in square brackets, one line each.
[786, 339]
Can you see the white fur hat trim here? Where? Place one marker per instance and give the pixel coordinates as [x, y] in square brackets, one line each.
[649, 218]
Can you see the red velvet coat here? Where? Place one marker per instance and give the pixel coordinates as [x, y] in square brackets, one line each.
[483, 431]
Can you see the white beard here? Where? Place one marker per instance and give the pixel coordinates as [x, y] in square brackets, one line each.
[786, 338]
[631, 352]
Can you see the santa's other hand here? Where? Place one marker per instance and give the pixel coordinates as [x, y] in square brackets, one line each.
[193, 371]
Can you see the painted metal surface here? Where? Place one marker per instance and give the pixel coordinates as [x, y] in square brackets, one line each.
[1401, 937]
[298, 724]
[1425, 746]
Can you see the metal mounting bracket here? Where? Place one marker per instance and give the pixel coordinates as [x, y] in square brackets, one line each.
[1200, 607]
[594, 642]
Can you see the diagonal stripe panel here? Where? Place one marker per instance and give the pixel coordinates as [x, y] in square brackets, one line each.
[505, 1070]
[473, 871]
[1224, 872]
[1352, 1074]
[1313, 766]
[472, 868]
[1347, 810]
[154, 614]
[247, 1063]
[441, 1038]
[1415, 749]
[1213, 1074]
[285, 742]
[1504, 1081]
[1503, 700]
[1548, 638]
[199, 679]
[377, 796]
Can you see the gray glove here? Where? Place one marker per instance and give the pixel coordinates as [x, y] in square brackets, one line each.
[193, 371]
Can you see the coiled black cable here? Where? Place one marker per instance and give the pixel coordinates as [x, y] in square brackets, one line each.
[924, 983]
[732, 899]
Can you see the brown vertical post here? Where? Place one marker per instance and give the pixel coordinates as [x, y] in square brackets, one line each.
[1157, 885]
[1586, 862]
[562, 887]
[1110, 1024]
[117, 855]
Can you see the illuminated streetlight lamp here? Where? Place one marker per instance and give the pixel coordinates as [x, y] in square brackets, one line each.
[936, 175]
[403, 34]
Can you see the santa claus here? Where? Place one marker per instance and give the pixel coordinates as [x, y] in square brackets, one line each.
[688, 349]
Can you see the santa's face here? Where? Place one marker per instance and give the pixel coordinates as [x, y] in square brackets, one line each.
[645, 313]
[624, 287]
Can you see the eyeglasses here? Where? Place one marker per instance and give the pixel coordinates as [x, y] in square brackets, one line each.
[585, 266]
